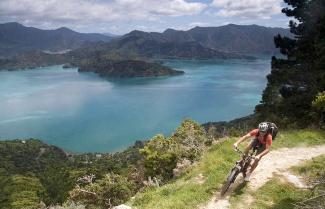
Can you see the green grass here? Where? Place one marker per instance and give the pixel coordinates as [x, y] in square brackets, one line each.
[311, 169]
[277, 195]
[185, 193]
[295, 138]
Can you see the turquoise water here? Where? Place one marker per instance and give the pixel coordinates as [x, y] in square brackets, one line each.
[82, 112]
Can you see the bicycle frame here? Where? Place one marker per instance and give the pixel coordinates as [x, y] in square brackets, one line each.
[246, 160]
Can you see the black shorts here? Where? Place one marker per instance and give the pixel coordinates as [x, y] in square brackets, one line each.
[257, 145]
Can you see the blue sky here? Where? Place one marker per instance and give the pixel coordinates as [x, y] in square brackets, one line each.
[123, 16]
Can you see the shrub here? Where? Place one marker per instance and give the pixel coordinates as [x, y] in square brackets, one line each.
[109, 191]
[159, 158]
[189, 140]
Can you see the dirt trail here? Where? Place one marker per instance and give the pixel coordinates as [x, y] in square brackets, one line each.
[276, 162]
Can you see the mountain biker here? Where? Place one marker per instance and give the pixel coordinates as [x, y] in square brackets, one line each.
[262, 143]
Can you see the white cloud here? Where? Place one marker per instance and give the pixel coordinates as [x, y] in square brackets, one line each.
[247, 8]
[201, 24]
[67, 12]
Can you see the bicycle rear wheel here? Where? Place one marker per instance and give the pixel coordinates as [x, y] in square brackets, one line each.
[230, 179]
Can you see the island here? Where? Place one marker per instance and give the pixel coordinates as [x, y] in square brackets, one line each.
[128, 69]
[96, 62]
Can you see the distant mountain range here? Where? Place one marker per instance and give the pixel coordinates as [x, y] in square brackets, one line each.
[229, 41]
[224, 42]
[229, 38]
[233, 38]
[16, 38]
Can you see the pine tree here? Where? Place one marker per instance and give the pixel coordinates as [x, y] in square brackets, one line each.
[294, 82]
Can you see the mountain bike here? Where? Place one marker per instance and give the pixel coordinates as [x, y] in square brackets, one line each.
[241, 166]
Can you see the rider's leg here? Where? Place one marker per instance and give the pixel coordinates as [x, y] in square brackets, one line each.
[254, 164]
[247, 148]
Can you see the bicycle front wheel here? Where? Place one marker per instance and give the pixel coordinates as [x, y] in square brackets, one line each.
[230, 179]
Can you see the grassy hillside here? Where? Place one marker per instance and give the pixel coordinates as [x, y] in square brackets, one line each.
[200, 182]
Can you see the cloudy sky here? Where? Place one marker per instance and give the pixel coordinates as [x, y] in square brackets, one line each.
[122, 16]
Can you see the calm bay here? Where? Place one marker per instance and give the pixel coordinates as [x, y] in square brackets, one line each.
[82, 112]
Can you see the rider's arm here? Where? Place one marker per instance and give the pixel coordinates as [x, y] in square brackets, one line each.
[241, 139]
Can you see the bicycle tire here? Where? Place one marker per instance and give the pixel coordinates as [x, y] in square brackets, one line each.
[230, 179]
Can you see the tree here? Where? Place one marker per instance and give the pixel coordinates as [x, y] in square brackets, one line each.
[109, 191]
[295, 81]
[159, 158]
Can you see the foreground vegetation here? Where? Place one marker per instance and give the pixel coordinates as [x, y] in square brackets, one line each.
[32, 172]
[189, 192]
[180, 171]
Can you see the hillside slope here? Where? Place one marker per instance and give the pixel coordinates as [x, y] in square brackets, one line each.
[204, 180]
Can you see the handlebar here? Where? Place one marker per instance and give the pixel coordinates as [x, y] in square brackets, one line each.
[250, 154]
[238, 150]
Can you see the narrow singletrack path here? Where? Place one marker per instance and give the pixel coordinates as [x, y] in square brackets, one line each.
[275, 162]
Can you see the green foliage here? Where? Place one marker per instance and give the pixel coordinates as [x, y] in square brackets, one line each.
[21, 156]
[186, 192]
[295, 81]
[109, 191]
[50, 176]
[162, 154]
[57, 182]
[20, 192]
[54, 169]
[159, 158]
[319, 105]
[319, 102]
[189, 140]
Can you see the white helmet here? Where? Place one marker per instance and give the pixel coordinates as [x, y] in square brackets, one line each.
[263, 127]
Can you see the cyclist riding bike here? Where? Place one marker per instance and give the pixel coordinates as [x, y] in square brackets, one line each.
[262, 143]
